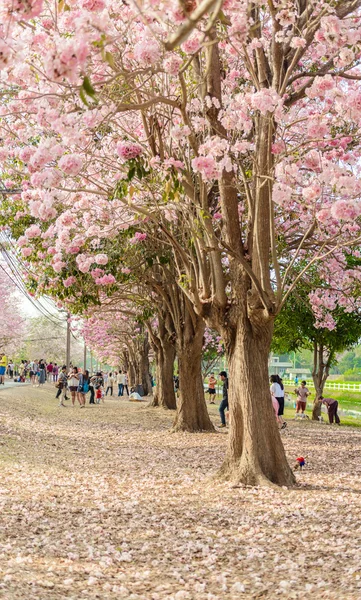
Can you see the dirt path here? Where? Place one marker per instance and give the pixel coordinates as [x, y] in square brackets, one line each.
[105, 503]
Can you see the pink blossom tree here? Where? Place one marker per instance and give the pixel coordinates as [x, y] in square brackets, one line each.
[240, 148]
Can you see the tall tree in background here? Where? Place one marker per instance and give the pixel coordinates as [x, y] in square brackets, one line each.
[12, 330]
[295, 329]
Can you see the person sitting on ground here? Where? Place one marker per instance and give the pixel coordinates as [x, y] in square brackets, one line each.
[332, 407]
[134, 396]
[212, 381]
[302, 393]
[224, 404]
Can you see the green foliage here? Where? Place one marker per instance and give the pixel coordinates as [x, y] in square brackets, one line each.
[295, 329]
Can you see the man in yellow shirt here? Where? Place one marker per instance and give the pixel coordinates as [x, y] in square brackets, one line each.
[3, 365]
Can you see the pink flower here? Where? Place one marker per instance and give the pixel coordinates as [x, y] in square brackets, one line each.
[217, 216]
[298, 42]
[24, 9]
[58, 266]
[125, 270]
[138, 237]
[105, 280]
[128, 150]
[26, 252]
[69, 281]
[5, 54]
[33, 231]
[22, 241]
[65, 60]
[172, 64]
[101, 259]
[192, 44]
[93, 5]
[96, 273]
[206, 166]
[147, 52]
[344, 210]
[71, 164]
[265, 100]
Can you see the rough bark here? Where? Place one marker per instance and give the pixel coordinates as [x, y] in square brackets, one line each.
[164, 395]
[320, 373]
[192, 414]
[144, 367]
[255, 455]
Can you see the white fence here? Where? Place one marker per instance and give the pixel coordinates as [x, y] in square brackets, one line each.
[351, 387]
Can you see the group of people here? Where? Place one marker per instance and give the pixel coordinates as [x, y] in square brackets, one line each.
[38, 371]
[80, 382]
[302, 393]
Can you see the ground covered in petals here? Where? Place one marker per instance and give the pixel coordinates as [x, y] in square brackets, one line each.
[105, 503]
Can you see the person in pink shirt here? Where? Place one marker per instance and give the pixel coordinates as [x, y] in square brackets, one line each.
[55, 372]
[302, 394]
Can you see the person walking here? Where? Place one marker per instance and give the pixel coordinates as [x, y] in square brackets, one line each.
[332, 407]
[62, 385]
[224, 403]
[212, 381]
[3, 365]
[83, 387]
[11, 369]
[110, 384]
[278, 392]
[55, 372]
[92, 389]
[302, 392]
[120, 382]
[126, 383]
[99, 387]
[42, 373]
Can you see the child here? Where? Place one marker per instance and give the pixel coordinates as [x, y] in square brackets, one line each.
[98, 395]
[212, 388]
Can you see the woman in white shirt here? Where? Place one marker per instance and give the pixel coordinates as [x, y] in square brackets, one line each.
[277, 390]
[73, 382]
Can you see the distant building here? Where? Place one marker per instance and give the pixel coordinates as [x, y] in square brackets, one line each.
[301, 373]
[276, 366]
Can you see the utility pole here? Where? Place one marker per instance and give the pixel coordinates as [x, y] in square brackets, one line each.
[67, 340]
[84, 356]
[91, 361]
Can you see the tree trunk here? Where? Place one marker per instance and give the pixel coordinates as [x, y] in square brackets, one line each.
[144, 370]
[164, 395]
[256, 455]
[320, 373]
[192, 414]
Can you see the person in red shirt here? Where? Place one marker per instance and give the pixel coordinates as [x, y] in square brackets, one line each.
[332, 406]
[49, 369]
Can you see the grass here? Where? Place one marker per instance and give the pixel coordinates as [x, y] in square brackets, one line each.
[347, 400]
[342, 397]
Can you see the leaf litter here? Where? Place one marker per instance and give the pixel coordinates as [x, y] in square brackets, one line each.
[107, 503]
